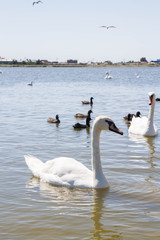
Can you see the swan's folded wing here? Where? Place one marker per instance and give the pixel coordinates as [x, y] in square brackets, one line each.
[138, 125]
[67, 172]
[34, 164]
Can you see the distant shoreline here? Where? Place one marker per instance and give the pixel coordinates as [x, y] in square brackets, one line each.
[81, 65]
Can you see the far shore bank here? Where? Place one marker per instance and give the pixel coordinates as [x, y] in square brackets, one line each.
[81, 65]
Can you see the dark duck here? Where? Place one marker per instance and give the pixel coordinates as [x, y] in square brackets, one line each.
[81, 115]
[53, 120]
[79, 125]
[88, 102]
[128, 118]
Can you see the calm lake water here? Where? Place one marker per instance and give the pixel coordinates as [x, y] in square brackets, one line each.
[31, 209]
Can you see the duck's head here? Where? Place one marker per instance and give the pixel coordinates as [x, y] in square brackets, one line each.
[152, 97]
[129, 117]
[138, 114]
[91, 100]
[105, 123]
[89, 112]
[57, 117]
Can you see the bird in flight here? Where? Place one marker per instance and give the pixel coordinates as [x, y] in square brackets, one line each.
[108, 27]
[36, 2]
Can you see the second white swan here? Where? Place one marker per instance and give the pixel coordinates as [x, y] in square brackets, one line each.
[69, 172]
[145, 126]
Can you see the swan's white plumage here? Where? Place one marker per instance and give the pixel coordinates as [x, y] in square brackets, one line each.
[144, 126]
[139, 127]
[61, 171]
[69, 172]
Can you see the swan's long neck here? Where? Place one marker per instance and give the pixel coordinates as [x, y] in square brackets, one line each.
[98, 176]
[151, 115]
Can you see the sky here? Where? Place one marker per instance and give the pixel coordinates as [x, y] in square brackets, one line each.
[58, 30]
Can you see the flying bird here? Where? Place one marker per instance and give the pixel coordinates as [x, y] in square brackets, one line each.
[36, 2]
[108, 27]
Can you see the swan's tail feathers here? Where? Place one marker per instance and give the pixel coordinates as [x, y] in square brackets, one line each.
[34, 164]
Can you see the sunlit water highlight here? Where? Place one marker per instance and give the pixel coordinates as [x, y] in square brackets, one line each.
[31, 209]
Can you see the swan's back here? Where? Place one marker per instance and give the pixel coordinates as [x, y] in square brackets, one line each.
[139, 126]
[53, 171]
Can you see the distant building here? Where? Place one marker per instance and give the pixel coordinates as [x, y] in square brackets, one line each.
[70, 61]
[156, 61]
[108, 63]
[91, 63]
[5, 61]
[44, 61]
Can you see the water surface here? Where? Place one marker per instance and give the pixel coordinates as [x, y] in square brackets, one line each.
[31, 209]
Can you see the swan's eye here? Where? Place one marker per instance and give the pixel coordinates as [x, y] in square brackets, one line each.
[109, 123]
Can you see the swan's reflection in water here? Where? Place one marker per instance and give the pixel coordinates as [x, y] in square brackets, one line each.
[98, 199]
[82, 204]
[98, 212]
[53, 192]
[145, 141]
[150, 157]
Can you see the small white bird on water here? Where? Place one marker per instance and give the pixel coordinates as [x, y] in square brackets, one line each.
[30, 83]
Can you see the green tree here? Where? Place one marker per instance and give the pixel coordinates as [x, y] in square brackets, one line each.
[38, 61]
[143, 59]
[14, 61]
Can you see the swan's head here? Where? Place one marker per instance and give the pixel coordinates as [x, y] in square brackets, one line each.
[152, 97]
[105, 123]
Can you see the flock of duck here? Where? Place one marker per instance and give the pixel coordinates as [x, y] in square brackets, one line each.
[69, 172]
[77, 115]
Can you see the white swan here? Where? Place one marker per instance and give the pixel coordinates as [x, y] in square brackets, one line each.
[108, 76]
[144, 126]
[69, 172]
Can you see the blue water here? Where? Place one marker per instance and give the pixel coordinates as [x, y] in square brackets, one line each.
[30, 209]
